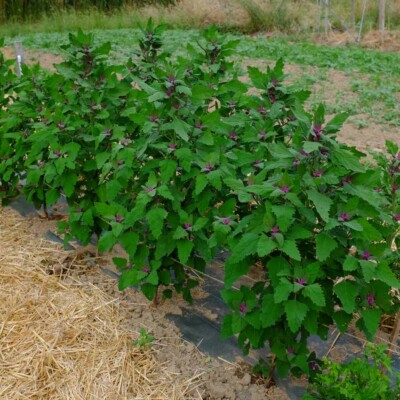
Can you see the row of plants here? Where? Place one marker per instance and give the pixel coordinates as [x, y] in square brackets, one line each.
[175, 158]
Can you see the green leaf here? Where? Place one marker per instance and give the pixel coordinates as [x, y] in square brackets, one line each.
[52, 196]
[253, 318]
[238, 323]
[179, 233]
[181, 128]
[184, 249]
[156, 96]
[231, 297]
[207, 138]
[315, 294]
[107, 241]
[199, 224]
[165, 246]
[265, 246]
[233, 271]
[369, 232]
[311, 146]
[163, 191]
[348, 160]
[69, 181]
[371, 319]
[138, 212]
[280, 150]
[368, 269]
[295, 313]
[128, 278]
[165, 277]
[283, 290]
[258, 79]
[149, 290]
[201, 183]
[271, 312]
[152, 278]
[311, 322]
[129, 241]
[155, 218]
[354, 225]
[284, 216]
[366, 193]
[276, 268]
[336, 123]
[297, 232]
[226, 328]
[312, 271]
[290, 248]
[324, 246]
[247, 245]
[119, 262]
[342, 320]
[350, 263]
[113, 188]
[321, 202]
[386, 275]
[347, 292]
[168, 169]
[101, 158]
[302, 362]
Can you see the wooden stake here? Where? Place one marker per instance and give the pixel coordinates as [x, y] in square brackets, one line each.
[327, 17]
[353, 15]
[395, 333]
[19, 57]
[381, 19]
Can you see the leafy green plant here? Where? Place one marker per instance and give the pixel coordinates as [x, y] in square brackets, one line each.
[323, 236]
[172, 158]
[360, 379]
[145, 339]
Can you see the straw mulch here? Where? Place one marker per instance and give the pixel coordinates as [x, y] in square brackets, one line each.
[65, 340]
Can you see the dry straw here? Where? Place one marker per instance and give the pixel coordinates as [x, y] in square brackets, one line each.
[66, 341]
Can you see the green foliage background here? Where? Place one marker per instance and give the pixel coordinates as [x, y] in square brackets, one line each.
[31, 9]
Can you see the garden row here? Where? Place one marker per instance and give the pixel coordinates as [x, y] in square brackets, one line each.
[174, 158]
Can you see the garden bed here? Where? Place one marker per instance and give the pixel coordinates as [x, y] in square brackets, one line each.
[162, 232]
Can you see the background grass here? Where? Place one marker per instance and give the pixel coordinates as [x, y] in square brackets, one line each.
[288, 16]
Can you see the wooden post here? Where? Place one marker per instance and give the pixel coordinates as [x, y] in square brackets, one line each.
[319, 5]
[358, 40]
[19, 58]
[326, 17]
[381, 19]
[353, 15]
[395, 334]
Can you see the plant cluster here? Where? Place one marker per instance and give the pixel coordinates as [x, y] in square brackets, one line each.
[175, 158]
[370, 378]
